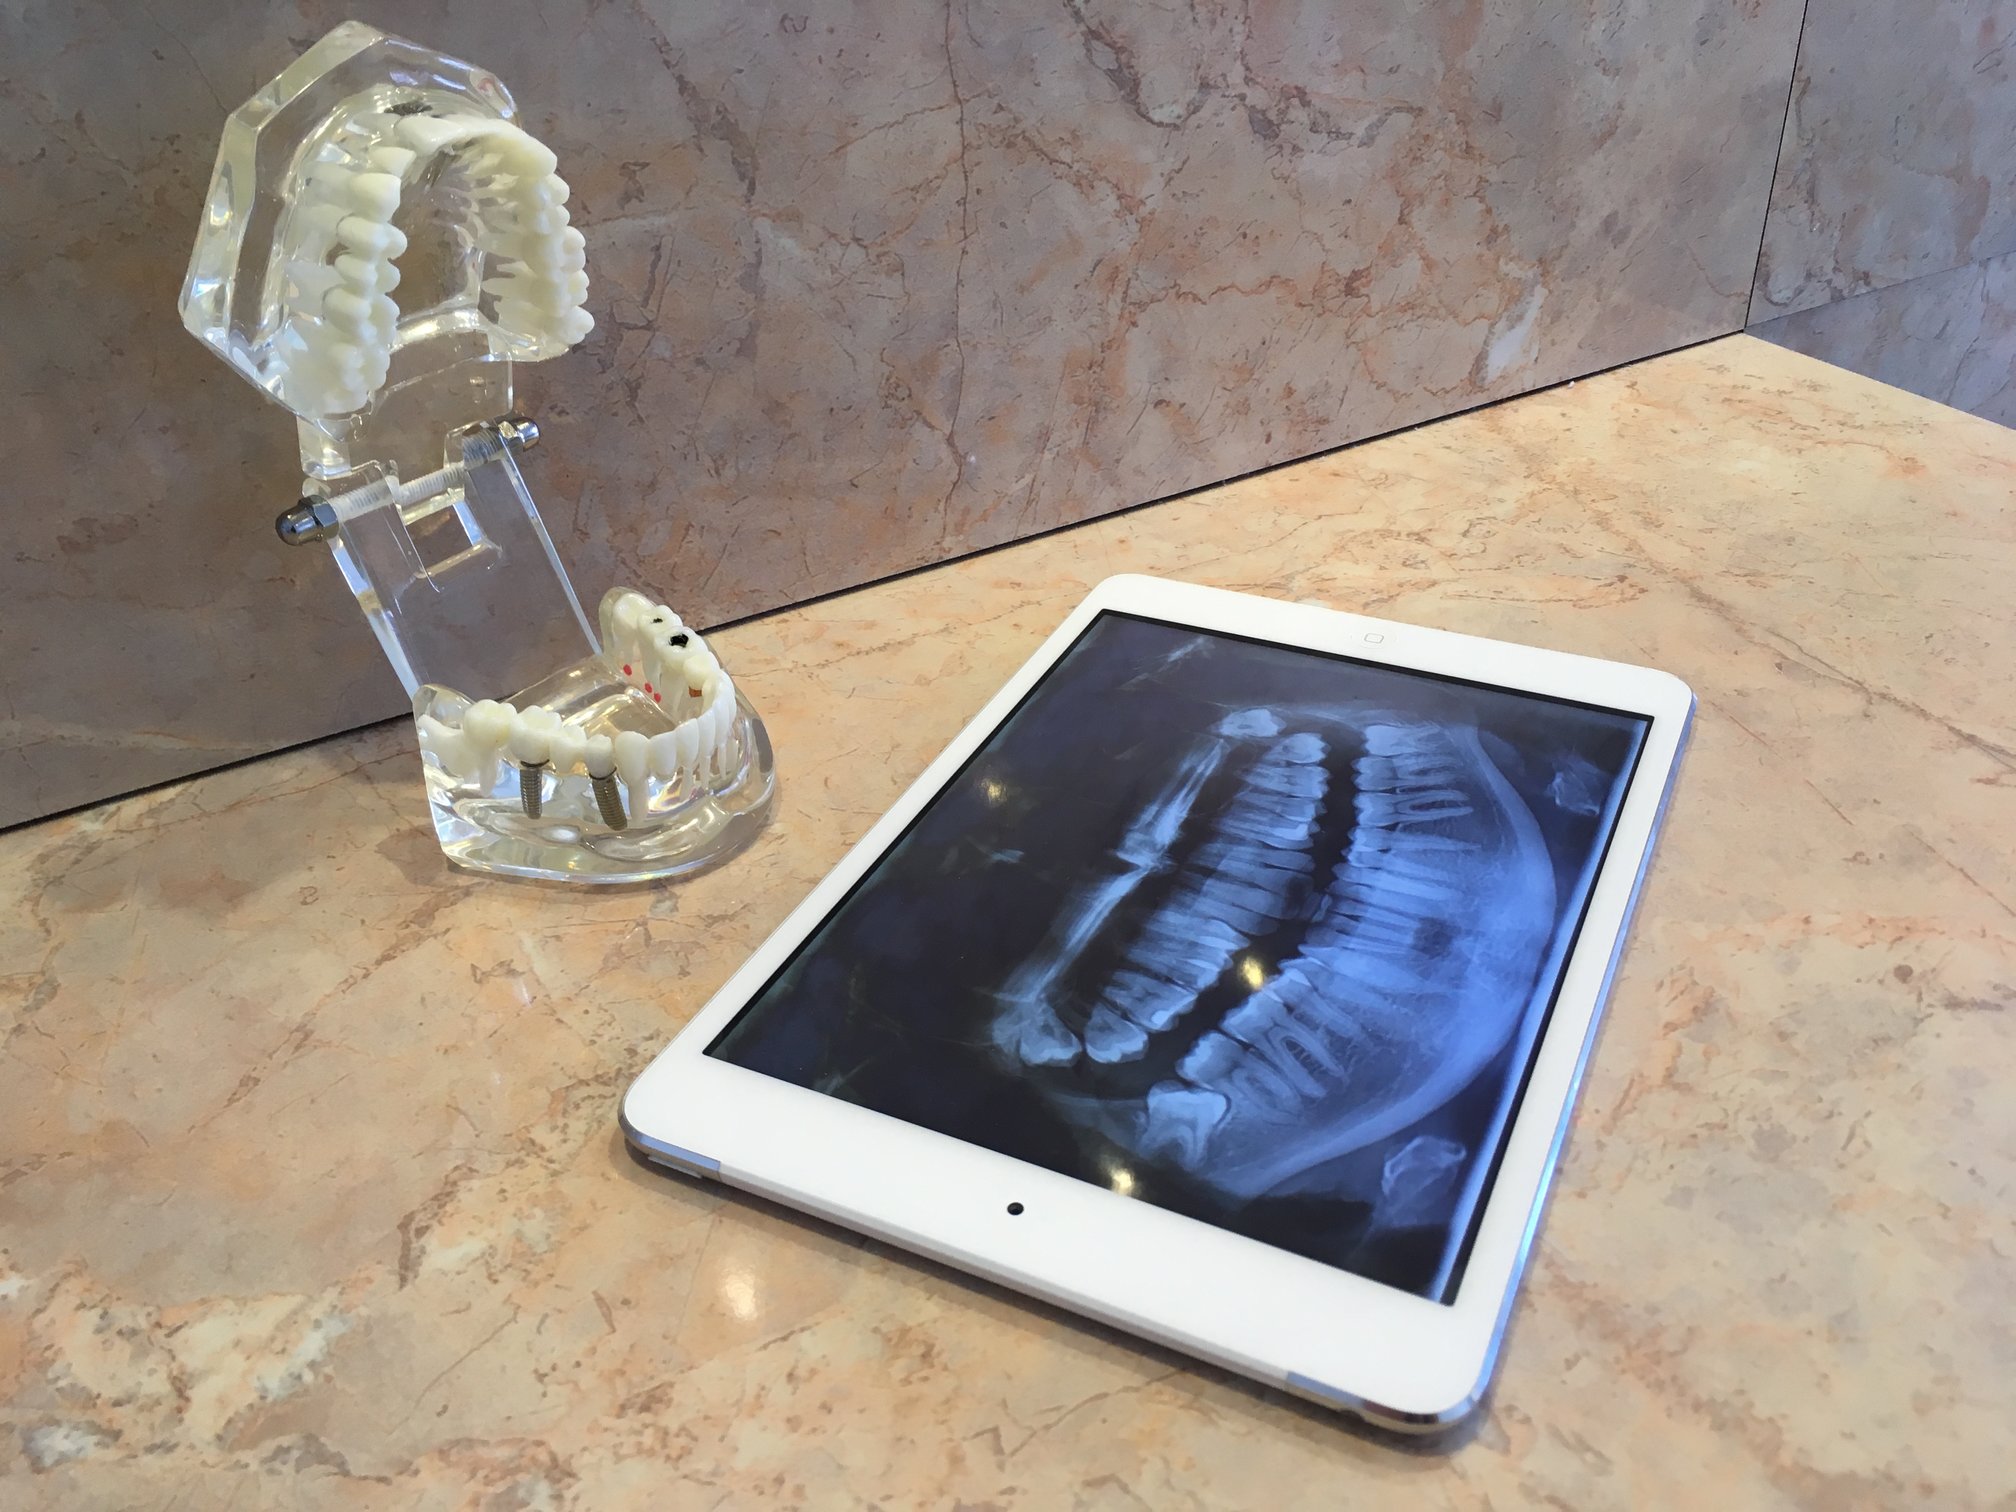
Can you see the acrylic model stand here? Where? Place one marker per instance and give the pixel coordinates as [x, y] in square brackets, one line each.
[617, 751]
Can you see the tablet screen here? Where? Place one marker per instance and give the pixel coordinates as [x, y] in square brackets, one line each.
[1258, 934]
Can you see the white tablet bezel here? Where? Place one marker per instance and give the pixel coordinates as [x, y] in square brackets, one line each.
[1334, 1337]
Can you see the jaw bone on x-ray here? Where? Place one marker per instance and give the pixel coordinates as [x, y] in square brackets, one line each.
[1258, 935]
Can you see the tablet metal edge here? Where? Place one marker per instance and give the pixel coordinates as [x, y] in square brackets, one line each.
[673, 1157]
[1423, 1423]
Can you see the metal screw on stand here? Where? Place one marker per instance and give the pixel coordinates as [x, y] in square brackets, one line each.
[317, 517]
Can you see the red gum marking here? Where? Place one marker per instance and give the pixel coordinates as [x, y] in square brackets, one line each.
[626, 669]
[657, 698]
[647, 687]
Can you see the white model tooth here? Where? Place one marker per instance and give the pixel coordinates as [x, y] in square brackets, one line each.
[530, 157]
[575, 326]
[347, 310]
[600, 757]
[329, 180]
[384, 318]
[392, 160]
[372, 195]
[688, 735]
[569, 745]
[448, 745]
[488, 723]
[696, 666]
[530, 738]
[549, 299]
[312, 279]
[629, 612]
[367, 275]
[372, 237]
[372, 123]
[537, 252]
[427, 135]
[665, 756]
[633, 759]
[319, 219]
[529, 218]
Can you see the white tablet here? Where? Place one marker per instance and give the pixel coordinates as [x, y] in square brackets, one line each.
[1228, 979]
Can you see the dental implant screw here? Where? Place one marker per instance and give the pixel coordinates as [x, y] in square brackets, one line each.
[531, 784]
[609, 799]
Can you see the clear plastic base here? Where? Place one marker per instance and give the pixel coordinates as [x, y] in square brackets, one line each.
[672, 829]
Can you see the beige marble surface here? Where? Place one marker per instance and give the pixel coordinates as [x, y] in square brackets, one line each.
[877, 283]
[1950, 336]
[311, 1192]
[1895, 163]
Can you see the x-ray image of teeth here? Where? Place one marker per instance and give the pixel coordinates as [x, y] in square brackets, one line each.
[1258, 935]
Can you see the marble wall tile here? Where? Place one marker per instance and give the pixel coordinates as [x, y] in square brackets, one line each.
[1950, 336]
[878, 283]
[1897, 152]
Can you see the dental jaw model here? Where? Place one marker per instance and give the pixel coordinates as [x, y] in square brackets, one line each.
[381, 242]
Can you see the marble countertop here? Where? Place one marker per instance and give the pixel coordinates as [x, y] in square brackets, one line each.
[311, 1190]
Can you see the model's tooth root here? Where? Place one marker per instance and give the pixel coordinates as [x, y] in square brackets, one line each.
[1178, 1122]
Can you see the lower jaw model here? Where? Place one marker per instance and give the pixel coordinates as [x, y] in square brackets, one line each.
[648, 724]
[1286, 990]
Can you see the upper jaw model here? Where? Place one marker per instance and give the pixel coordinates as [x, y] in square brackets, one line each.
[381, 242]
[340, 242]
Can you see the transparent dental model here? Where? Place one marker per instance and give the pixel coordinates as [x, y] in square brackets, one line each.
[380, 243]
